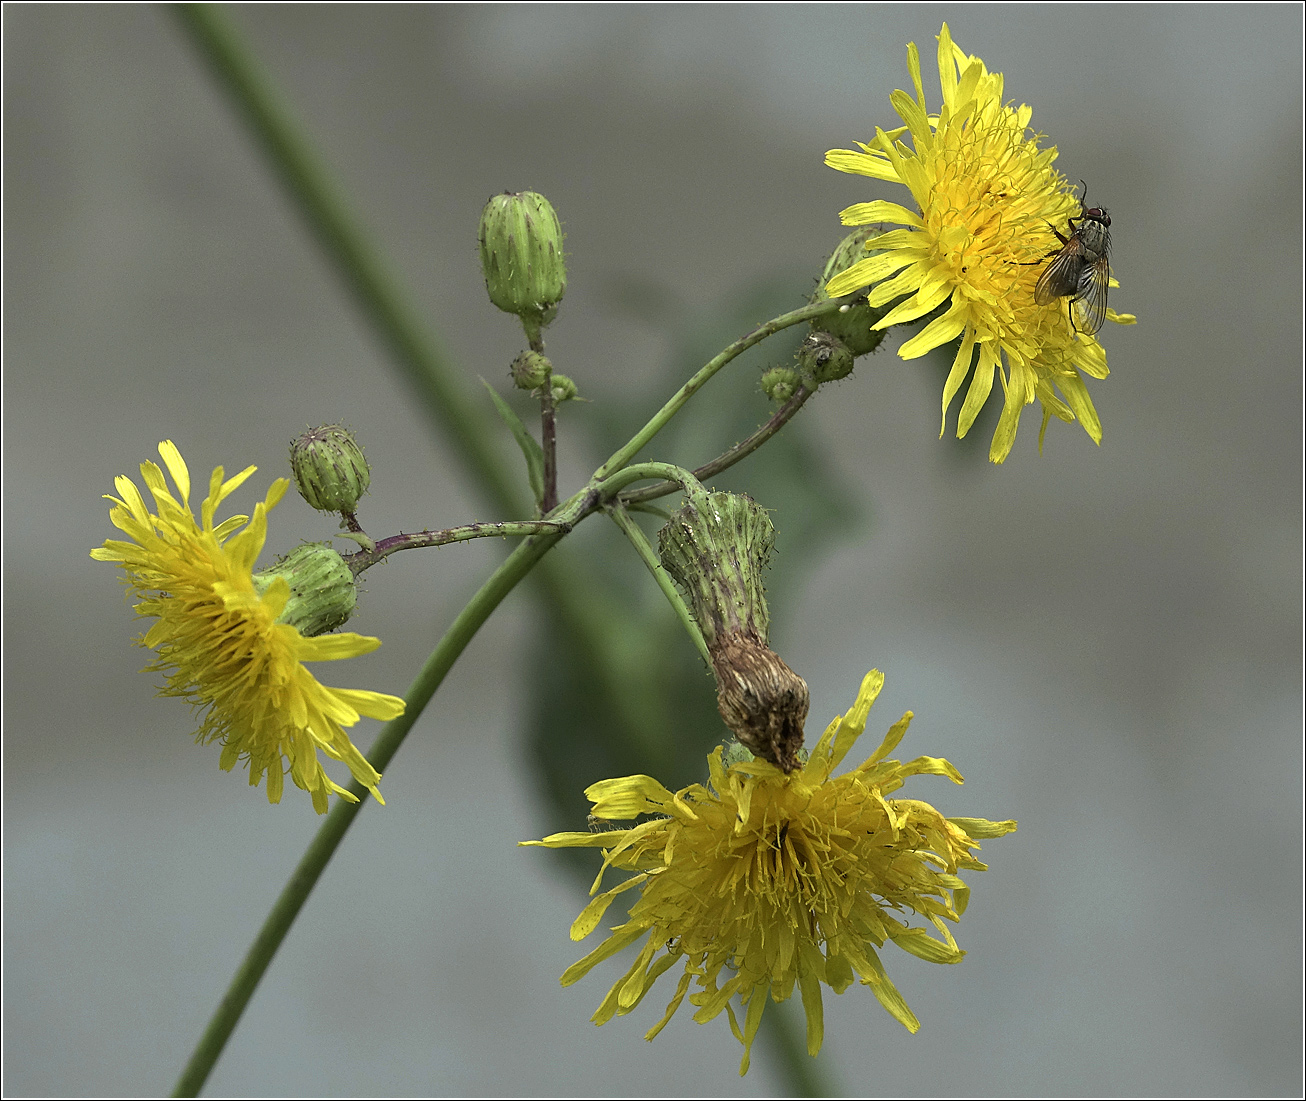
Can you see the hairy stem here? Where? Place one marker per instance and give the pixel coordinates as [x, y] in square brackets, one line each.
[728, 458]
[629, 450]
[605, 490]
[383, 548]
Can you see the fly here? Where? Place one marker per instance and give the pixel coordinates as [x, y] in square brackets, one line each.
[1081, 268]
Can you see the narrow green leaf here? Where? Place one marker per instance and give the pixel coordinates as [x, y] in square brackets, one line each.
[530, 446]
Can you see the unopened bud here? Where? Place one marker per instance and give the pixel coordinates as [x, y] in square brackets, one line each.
[530, 370]
[323, 593]
[780, 383]
[852, 324]
[521, 255]
[563, 389]
[329, 468]
[823, 357]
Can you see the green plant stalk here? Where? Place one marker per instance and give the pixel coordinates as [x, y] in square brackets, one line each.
[548, 422]
[606, 489]
[802, 1075]
[649, 556]
[332, 832]
[313, 194]
[342, 815]
[727, 459]
[659, 421]
[428, 372]
[368, 279]
[293, 162]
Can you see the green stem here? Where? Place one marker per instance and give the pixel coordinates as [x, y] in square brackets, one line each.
[727, 459]
[646, 552]
[801, 1075]
[329, 836]
[429, 374]
[367, 277]
[614, 483]
[795, 317]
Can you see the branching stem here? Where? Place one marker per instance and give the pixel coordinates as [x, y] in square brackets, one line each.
[659, 421]
[640, 542]
[383, 548]
[727, 459]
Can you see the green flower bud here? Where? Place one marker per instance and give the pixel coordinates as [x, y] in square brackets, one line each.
[530, 370]
[780, 383]
[849, 251]
[823, 357]
[322, 589]
[329, 468]
[521, 255]
[716, 548]
[852, 324]
[563, 389]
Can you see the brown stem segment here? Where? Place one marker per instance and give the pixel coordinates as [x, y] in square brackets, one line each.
[383, 548]
[548, 423]
[549, 445]
[727, 459]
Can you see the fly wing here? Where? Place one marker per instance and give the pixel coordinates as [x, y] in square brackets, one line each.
[1062, 276]
[1090, 297]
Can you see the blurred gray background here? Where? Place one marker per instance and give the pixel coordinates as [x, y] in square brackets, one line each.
[1106, 641]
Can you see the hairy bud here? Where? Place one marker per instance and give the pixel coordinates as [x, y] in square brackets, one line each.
[852, 324]
[323, 593]
[330, 471]
[521, 256]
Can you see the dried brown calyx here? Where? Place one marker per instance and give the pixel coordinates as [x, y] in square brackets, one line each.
[762, 700]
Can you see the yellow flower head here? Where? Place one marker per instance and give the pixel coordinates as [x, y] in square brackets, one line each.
[987, 198]
[219, 640]
[759, 880]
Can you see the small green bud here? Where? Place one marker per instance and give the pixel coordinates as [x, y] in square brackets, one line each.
[852, 324]
[563, 389]
[530, 370]
[521, 255]
[780, 383]
[823, 357]
[323, 593]
[329, 468]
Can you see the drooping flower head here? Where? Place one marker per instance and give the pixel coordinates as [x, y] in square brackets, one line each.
[760, 881]
[987, 199]
[219, 640]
